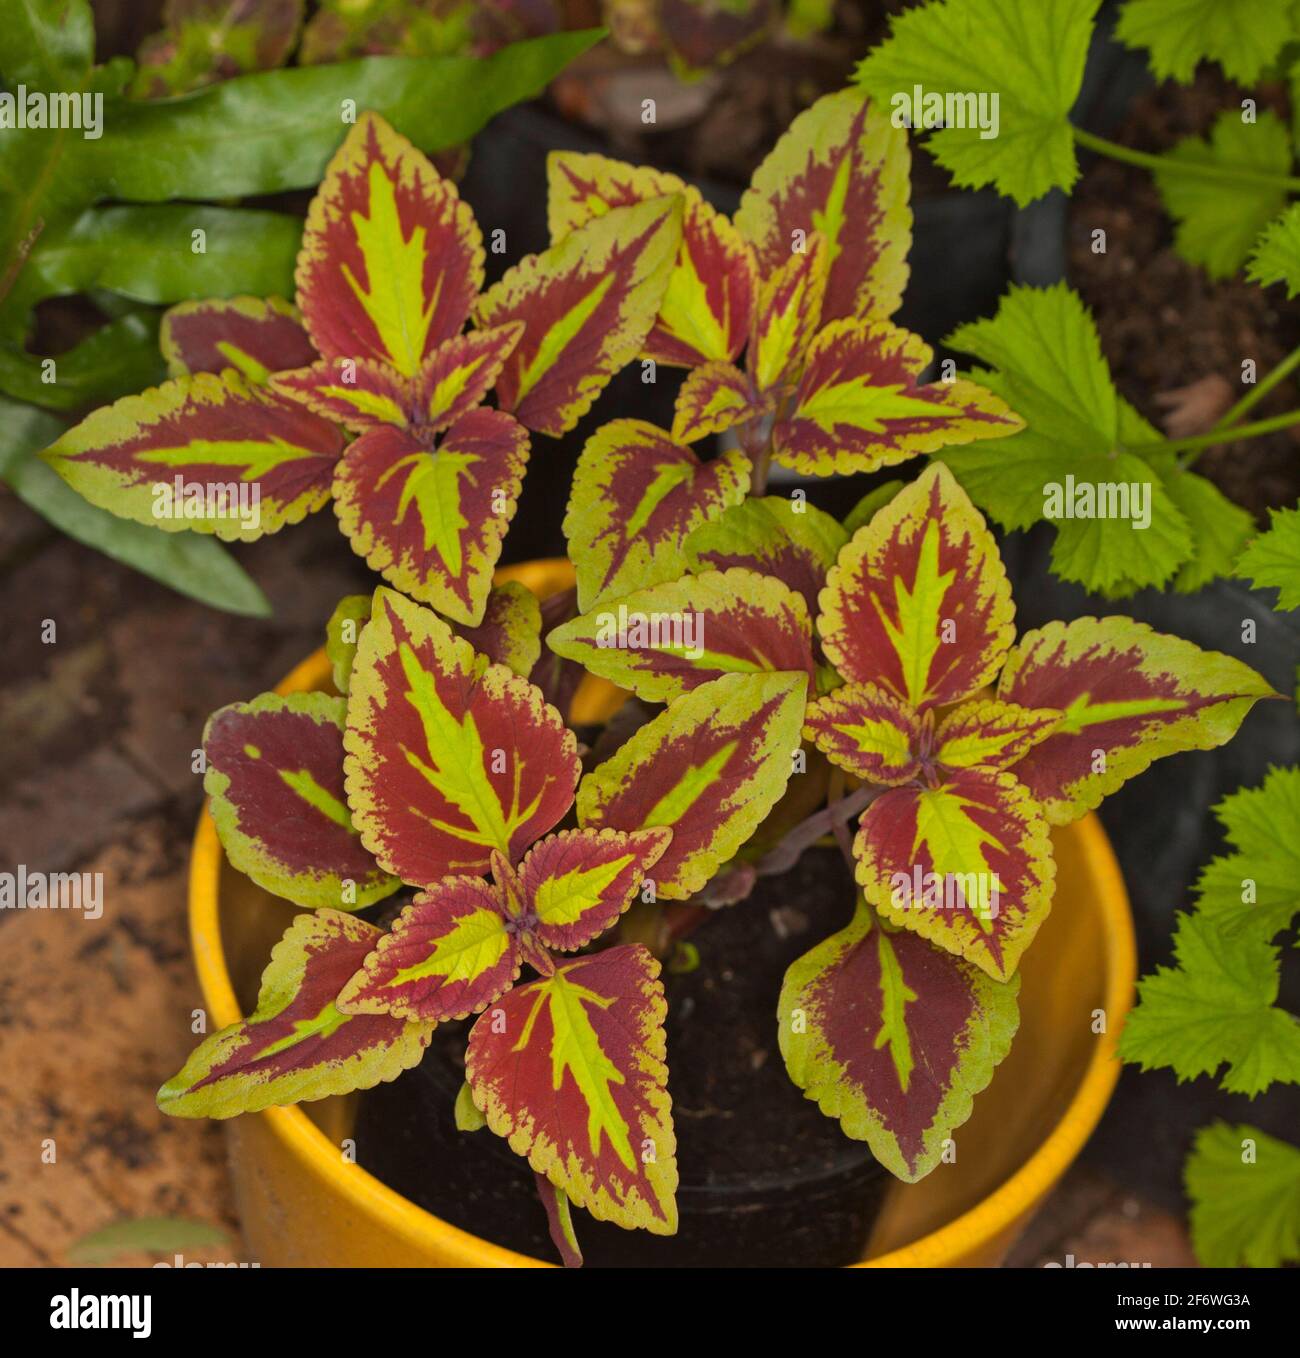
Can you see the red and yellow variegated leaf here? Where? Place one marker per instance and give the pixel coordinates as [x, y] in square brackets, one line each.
[431, 520]
[843, 171]
[991, 735]
[636, 494]
[511, 631]
[703, 34]
[246, 461]
[919, 601]
[786, 315]
[358, 393]
[967, 864]
[570, 1069]
[1129, 695]
[858, 406]
[275, 777]
[666, 640]
[391, 258]
[257, 336]
[448, 955]
[792, 540]
[296, 1045]
[587, 305]
[706, 309]
[577, 883]
[557, 677]
[461, 372]
[894, 1038]
[448, 755]
[342, 632]
[710, 767]
[713, 398]
[865, 729]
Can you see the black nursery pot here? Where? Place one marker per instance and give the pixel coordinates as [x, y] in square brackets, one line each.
[766, 1180]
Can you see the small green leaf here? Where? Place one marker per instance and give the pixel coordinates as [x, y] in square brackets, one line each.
[1272, 561]
[1245, 1192]
[146, 1235]
[1276, 258]
[468, 1117]
[1243, 36]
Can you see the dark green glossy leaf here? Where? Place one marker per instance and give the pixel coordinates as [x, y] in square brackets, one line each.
[119, 358]
[48, 44]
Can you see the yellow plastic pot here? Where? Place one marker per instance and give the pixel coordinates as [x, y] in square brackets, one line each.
[303, 1202]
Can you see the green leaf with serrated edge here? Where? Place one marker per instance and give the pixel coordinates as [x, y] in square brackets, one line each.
[1214, 227]
[868, 731]
[1245, 1192]
[792, 540]
[198, 567]
[918, 600]
[841, 169]
[1276, 257]
[786, 316]
[706, 309]
[446, 956]
[575, 884]
[666, 640]
[203, 41]
[714, 397]
[1257, 887]
[1272, 560]
[570, 1070]
[866, 508]
[966, 863]
[1029, 52]
[587, 305]
[258, 336]
[710, 767]
[510, 633]
[1243, 36]
[991, 735]
[1129, 695]
[860, 406]
[342, 633]
[637, 493]
[275, 780]
[1048, 367]
[296, 1046]
[203, 453]
[448, 755]
[894, 1038]
[431, 519]
[1219, 529]
[1217, 1005]
[149, 1235]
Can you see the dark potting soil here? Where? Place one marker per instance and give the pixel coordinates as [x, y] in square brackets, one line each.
[766, 1180]
[1164, 323]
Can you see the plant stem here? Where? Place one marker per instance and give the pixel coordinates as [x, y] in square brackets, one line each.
[1196, 169]
[1218, 435]
[1261, 389]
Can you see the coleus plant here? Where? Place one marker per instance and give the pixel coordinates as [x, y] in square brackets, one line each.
[371, 393]
[960, 747]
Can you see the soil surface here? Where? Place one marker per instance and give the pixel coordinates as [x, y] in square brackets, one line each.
[1164, 323]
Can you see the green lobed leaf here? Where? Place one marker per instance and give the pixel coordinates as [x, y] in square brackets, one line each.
[1243, 36]
[1245, 1192]
[1272, 561]
[1276, 257]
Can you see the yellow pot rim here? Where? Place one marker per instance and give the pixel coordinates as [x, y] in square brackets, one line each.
[985, 1222]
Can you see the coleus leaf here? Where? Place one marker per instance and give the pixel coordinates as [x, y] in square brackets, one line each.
[221, 437]
[871, 503]
[714, 397]
[786, 316]
[342, 632]
[894, 1038]
[448, 756]
[296, 1045]
[792, 540]
[392, 260]
[710, 767]
[859, 406]
[447, 955]
[570, 1069]
[431, 519]
[510, 632]
[209, 40]
[966, 864]
[702, 34]
[918, 601]
[1129, 695]
[991, 735]
[258, 336]
[556, 677]
[587, 305]
[841, 170]
[275, 779]
[706, 309]
[666, 640]
[636, 494]
[865, 729]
